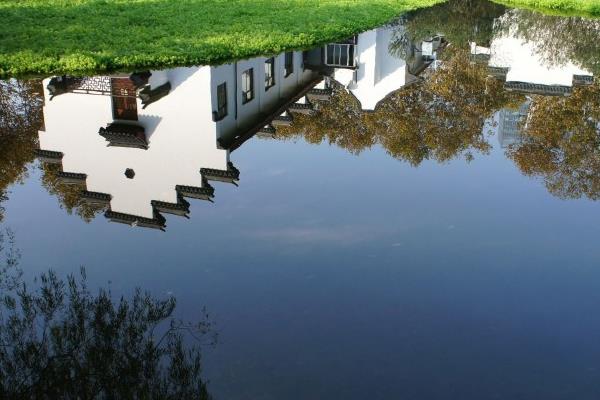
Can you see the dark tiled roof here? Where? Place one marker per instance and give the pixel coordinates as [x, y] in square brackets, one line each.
[302, 108]
[230, 175]
[49, 156]
[124, 135]
[149, 96]
[71, 177]
[206, 192]
[57, 85]
[319, 94]
[140, 79]
[498, 72]
[583, 80]
[182, 207]
[282, 120]
[268, 131]
[96, 197]
[480, 57]
[157, 222]
[536, 88]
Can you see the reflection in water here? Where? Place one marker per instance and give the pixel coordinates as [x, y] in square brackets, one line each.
[434, 85]
[141, 144]
[561, 143]
[498, 76]
[440, 114]
[509, 125]
[20, 118]
[460, 21]
[464, 249]
[558, 41]
[61, 341]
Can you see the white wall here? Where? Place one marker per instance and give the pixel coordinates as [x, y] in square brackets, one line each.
[265, 101]
[180, 130]
[526, 64]
[182, 140]
[378, 72]
[220, 74]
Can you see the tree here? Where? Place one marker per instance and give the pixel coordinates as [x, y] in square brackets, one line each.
[61, 341]
[443, 116]
[69, 196]
[439, 117]
[21, 117]
[340, 122]
[459, 21]
[561, 143]
[560, 40]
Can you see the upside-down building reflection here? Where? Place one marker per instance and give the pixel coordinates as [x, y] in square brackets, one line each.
[142, 144]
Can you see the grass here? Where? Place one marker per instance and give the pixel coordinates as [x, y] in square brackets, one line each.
[585, 8]
[51, 36]
[78, 36]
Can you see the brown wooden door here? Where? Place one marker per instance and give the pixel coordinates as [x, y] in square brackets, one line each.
[124, 101]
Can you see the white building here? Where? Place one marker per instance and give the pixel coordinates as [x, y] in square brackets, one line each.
[509, 125]
[367, 67]
[525, 69]
[171, 131]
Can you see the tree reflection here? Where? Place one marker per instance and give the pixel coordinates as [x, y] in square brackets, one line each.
[21, 105]
[69, 196]
[340, 122]
[560, 40]
[21, 116]
[460, 21]
[61, 341]
[444, 116]
[438, 118]
[561, 143]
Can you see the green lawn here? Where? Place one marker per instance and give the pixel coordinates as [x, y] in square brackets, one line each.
[48, 36]
[51, 36]
[588, 8]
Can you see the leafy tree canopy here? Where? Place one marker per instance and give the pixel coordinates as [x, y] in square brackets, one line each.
[59, 340]
[21, 105]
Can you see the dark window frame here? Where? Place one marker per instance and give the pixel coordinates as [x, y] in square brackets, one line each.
[222, 109]
[289, 63]
[124, 108]
[340, 55]
[269, 73]
[248, 91]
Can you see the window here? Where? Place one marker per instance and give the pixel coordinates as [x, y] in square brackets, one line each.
[304, 60]
[124, 102]
[340, 55]
[247, 85]
[125, 108]
[269, 73]
[289, 63]
[221, 101]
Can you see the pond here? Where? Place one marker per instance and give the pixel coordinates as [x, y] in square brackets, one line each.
[409, 213]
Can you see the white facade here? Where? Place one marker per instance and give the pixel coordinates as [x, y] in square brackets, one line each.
[180, 131]
[242, 115]
[509, 125]
[525, 62]
[377, 71]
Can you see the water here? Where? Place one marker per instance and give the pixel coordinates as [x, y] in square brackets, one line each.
[429, 231]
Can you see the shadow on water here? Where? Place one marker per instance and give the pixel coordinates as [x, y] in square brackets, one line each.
[436, 84]
[59, 340]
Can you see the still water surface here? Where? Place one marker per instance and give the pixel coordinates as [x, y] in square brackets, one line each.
[423, 226]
